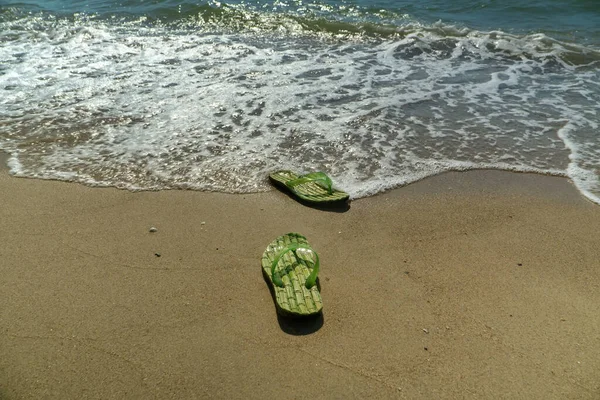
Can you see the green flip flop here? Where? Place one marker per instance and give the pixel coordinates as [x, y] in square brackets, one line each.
[291, 267]
[315, 187]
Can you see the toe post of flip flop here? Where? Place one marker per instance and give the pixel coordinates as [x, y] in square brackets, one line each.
[291, 267]
[314, 188]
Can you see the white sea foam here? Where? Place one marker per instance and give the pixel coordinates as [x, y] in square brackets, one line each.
[153, 108]
[584, 166]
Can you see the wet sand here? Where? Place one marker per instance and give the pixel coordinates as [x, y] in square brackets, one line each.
[478, 285]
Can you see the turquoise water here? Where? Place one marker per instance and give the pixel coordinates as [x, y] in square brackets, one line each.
[579, 19]
[213, 95]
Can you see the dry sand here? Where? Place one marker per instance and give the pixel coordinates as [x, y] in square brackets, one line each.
[478, 285]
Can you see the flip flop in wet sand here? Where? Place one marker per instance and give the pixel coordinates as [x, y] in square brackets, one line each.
[315, 187]
[291, 267]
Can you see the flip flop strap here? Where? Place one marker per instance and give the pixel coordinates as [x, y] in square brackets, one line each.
[317, 177]
[312, 278]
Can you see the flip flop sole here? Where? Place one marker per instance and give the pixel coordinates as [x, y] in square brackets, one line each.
[309, 191]
[293, 299]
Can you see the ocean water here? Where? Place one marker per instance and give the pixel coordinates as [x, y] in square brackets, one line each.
[210, 95]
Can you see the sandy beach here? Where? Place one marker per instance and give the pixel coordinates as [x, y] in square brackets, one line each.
[478, 285]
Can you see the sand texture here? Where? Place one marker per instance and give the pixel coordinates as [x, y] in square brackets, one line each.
[477, 285]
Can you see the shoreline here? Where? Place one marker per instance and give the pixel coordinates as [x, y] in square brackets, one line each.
[476, 181]
[477, 284]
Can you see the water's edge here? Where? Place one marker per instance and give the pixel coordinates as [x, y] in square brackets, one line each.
[467, 181]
